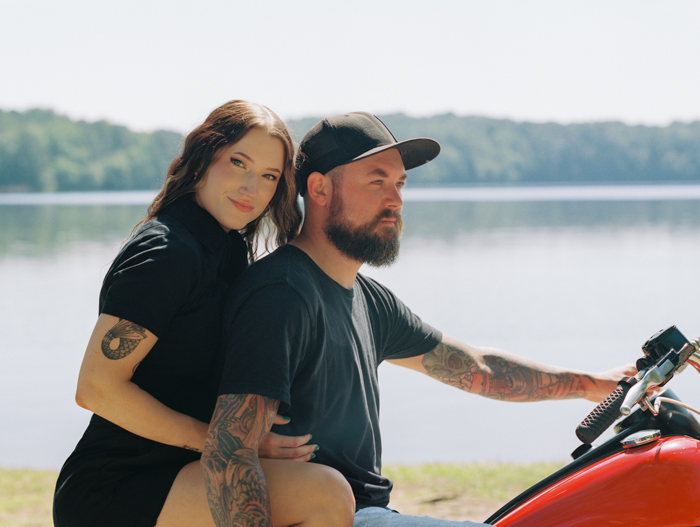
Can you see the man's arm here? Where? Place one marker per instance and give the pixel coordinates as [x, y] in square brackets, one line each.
[236, 487]
[501, 375]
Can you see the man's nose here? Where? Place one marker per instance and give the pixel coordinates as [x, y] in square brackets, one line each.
[393, 198]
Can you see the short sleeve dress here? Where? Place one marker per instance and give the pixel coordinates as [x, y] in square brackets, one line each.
[170, 278]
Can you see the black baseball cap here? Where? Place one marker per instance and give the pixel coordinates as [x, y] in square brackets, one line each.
[349, 137]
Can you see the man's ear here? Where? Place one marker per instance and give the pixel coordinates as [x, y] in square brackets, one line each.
[320, 188]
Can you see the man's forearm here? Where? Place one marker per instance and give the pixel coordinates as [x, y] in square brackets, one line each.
[236, 487]
[500, 375]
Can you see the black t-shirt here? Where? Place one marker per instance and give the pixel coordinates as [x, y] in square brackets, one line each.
[170, 278]
[299, 337]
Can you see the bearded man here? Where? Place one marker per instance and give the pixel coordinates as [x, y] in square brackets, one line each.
[306, 333]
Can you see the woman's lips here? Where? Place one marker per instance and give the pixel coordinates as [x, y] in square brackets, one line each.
[242, 206]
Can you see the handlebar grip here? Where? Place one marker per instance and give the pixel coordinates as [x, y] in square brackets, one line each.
[602, 416]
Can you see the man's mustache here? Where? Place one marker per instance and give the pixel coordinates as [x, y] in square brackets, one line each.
[389, 214]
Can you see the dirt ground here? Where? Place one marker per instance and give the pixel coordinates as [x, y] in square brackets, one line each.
[445, 506]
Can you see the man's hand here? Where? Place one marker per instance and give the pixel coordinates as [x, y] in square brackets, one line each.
[600, 385]
[276, 446]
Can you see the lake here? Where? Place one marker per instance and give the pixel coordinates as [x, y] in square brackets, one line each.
[574, 276]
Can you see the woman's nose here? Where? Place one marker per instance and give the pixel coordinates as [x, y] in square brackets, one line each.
[249, 185]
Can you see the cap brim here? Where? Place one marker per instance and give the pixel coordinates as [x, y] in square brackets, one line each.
[414, 152]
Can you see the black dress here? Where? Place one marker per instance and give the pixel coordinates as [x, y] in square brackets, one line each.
[170, 278]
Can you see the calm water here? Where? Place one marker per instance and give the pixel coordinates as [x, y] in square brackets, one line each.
[580, 284]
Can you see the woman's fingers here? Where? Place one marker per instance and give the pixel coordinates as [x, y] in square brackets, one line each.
[277, 446]
[281, 420]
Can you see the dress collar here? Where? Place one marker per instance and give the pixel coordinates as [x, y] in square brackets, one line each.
[202, 224]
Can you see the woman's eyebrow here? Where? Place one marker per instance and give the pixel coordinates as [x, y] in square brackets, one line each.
[251, 160]
[244, 155]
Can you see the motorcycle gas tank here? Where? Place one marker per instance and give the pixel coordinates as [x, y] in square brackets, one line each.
[657, 484]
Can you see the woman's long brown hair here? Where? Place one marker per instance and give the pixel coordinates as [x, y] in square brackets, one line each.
[225, 126]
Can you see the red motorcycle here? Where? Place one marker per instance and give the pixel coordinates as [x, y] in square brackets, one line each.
[648, 474]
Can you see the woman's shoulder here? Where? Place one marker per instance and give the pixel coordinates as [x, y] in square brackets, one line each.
[162, 228]
[162, 239]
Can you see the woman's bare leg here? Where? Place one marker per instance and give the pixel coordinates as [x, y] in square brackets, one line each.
[304, 494]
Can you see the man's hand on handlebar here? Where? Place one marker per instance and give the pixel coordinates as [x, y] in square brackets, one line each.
[604, 383]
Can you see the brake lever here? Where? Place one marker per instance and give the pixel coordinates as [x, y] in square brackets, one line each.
[660, 374]
[653, 377]
[694, 359]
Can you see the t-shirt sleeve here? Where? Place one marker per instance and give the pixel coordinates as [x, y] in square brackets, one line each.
[265, 335]
[403, 334]
[150, 281]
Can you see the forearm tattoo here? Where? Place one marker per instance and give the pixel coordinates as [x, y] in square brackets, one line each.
[122, 339]
[236, 487]
[500, 378]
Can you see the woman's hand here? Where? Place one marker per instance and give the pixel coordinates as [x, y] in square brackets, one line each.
[276, 446]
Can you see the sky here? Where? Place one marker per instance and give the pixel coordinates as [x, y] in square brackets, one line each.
[153, 64]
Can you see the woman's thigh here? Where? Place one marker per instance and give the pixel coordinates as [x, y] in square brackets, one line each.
[300, 494]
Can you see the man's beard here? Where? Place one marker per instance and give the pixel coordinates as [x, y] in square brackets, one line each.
[361, 243]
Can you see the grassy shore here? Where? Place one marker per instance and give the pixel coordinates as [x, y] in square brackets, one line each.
[25, 497]
[465, 491]
[452, 491]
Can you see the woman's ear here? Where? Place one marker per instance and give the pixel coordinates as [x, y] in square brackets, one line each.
[320, 188]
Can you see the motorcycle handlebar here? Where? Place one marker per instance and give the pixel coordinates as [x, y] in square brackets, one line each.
[605, 414]
[666, 362]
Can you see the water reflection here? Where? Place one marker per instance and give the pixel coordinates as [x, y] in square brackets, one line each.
[44, 230]
[448, 221]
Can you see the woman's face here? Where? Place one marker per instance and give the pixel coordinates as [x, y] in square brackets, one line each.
[241, 182]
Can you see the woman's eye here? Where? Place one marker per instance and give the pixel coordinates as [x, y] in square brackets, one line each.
[237, 162]
[271, 177]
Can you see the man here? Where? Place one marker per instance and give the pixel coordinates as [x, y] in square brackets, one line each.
[306, 332]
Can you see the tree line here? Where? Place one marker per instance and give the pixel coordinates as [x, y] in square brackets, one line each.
[42, 151]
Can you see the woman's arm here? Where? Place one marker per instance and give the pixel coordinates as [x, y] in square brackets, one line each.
[114, 351]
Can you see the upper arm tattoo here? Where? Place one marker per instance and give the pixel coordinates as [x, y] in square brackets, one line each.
[498, 377]
[450, 365]
[236, 487]
[125, 336]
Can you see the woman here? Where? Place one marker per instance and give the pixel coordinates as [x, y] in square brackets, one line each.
[151, 369]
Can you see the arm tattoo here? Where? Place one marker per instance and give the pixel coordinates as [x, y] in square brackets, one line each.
[236, 487]
[125, 336]
[450, 365]
[501, 378]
